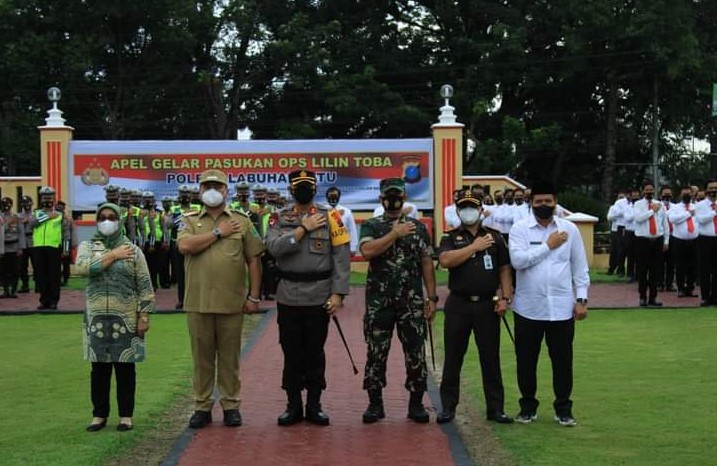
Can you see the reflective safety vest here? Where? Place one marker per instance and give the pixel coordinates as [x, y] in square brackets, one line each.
[49, 232]
[157, 227]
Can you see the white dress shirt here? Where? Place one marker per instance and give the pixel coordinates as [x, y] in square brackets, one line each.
[450, 217]
[348, 218]
[615, 215]
[679, 216]
[521, 211]
[643, 214]
[502, 218]
[410, 209]
[705, 213]
[547, 281]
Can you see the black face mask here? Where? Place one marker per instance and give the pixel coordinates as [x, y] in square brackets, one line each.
[392, 202]
[498, 200]
[124, 203]
[243, 197]
[148, 205]
[184, 199]
[333, 201]
[666, 198]
[649, 196]
[712, 194]
[686, 198]
[47, 204]
[6, 207]
[303, 194]
[509, 201]
[519, 202]
[543, 212]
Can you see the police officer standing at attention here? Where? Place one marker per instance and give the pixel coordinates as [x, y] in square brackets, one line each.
[399, 252]
[14, 246]
[479, 265]
[27, 258]
[311, 250]
[219, 246]
[49, 233]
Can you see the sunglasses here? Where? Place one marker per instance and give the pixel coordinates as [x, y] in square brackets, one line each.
[111, 218]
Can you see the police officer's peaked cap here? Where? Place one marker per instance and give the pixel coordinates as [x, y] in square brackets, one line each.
[467, 199]
[125, 191]
[147, 194]
[184, 189]
[47, 190]
[135, 192]
[216, 176]
[258, 187]
[388, 184]
[242, 185]
[302, 176]
[272, 191]
[167, 199]
[194, 189]
[112, 188]
[6, 200]
[25, 199]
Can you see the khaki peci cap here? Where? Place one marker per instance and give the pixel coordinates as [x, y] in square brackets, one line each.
[217, 176]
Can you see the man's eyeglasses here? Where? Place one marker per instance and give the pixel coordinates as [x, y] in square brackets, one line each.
[111, 218]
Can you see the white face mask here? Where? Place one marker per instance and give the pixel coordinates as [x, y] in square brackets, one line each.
[108, 227]
[212, 198]
[469, 216]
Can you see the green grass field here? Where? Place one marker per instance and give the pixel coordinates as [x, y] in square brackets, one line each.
[643, 392]
[45, 389]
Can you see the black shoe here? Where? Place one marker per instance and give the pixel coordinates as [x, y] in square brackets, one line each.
[417, 413]
[630, 279]
[653, 303]
[609, 272]
[179, 305]
[670, 288]
[643, 302]
[704, 303]
[291, 416]
[681, 294]
[232, 418]
[500, 418]
[122, 427]
[5, 295]
[96, 427]
[690, 294]
[200, 419]
[315, 415]
[525, 417]
[373, 413]
[445, 416]
[42, 306]
[566, 420]
[52, 306]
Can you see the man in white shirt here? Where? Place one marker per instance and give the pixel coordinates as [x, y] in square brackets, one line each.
[683, 242]
[616, 264]
[451, 220]
[521, 209]
[333, 196]
[629, 239]
[706, 211]
[551, 293]
[652, 238]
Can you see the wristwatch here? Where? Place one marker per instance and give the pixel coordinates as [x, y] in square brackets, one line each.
[432, 298]
[216, 232]
[581, 300]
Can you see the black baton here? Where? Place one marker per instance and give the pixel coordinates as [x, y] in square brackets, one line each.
[507, 327]
[343, 338]
[430, 339]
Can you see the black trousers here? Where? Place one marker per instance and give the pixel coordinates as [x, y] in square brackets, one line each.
[163, 266]
[616, 263]
[153, 257]
[462, 318]
[707, 249]
[178, 267]
[9, 271]
[667, 277]
[629, 244]
[528, 340]
[302, 334]
[49, 269]
[648, 263]
[684, 256]
[100, 380]
[25, 261]
[66, 262]
[268, 275]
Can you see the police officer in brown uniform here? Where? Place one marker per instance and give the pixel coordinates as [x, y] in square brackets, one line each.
[481, 287]
[14, 243]
[313, 278]
[218, 245]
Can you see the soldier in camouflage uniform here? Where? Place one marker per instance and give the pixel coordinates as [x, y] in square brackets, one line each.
[399, 252]
[313, 267]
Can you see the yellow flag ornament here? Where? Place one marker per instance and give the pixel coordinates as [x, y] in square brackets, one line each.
[337, 230]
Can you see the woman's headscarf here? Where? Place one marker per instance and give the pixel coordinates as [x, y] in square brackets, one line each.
[118, 237]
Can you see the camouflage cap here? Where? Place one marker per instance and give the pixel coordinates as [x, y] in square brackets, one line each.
[467, 199]
[388, 184]
[216, 176]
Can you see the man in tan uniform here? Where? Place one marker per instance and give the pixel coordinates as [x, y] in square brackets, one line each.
[219, 246]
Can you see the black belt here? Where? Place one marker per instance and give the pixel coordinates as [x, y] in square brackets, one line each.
[473, 298]
[304, 276]
[620, 228]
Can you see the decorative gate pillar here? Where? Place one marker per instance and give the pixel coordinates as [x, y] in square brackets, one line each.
[55, 139]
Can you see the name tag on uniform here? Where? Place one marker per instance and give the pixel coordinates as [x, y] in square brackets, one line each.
[535, 243]
[487, 262]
